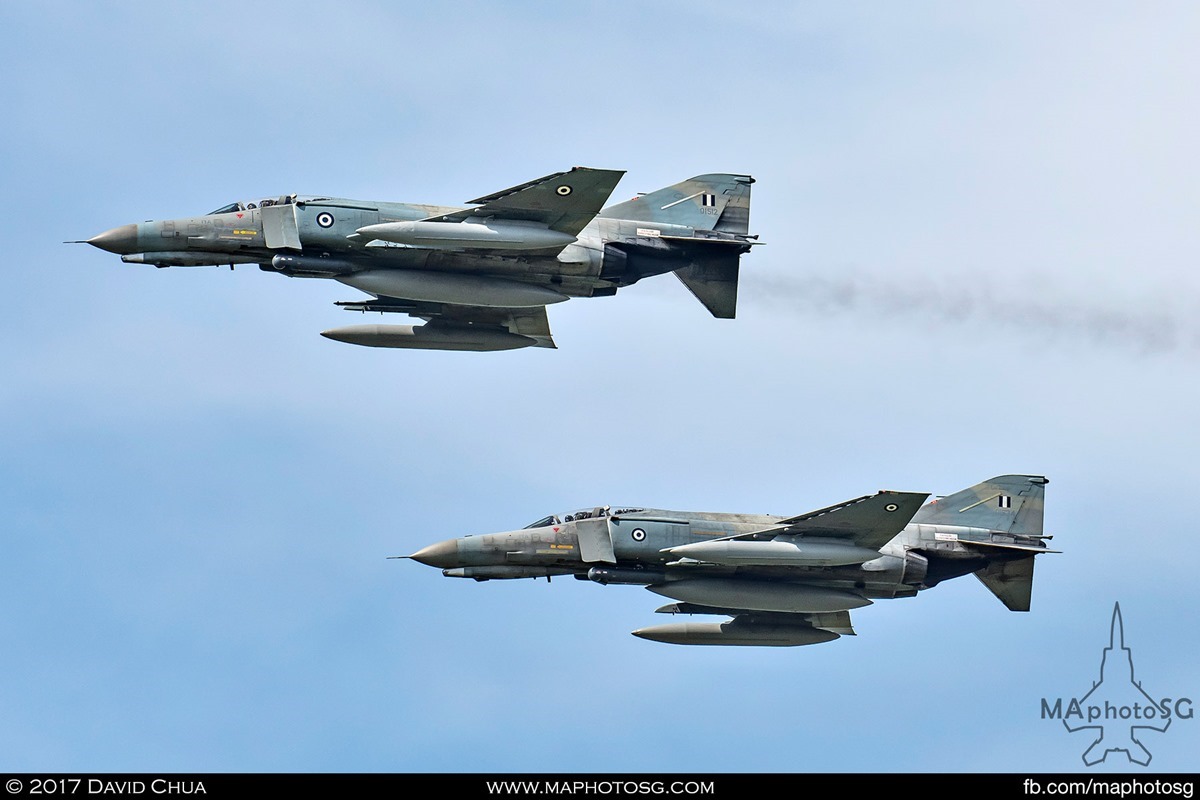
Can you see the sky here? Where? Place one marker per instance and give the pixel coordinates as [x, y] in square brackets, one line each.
[980, 247]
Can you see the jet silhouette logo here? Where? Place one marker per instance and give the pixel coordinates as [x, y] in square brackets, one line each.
[1117, 710]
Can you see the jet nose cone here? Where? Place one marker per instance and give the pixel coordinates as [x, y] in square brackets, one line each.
[443, 554]
[121, 240]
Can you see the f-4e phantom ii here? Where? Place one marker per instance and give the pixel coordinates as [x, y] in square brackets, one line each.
[782, 581]
[482, 276]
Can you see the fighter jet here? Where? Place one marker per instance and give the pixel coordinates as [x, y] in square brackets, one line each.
[481, 277]
[781, 581]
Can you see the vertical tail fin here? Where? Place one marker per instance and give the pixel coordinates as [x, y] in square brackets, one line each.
[1010, 504]
[718, 202]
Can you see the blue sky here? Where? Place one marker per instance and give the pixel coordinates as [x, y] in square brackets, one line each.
[981, 247]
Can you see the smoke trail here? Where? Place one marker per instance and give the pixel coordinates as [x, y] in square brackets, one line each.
[1146, 325]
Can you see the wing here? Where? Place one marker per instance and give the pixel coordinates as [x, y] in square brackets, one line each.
[447, 322]
[778, 613]
[563, 201]
[869, 521]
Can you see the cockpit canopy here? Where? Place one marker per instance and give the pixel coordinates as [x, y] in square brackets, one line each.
[545, 522]
[240, 206]
[586, 513]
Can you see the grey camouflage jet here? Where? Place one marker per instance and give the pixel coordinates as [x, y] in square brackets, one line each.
[781, 581]
[481, 277]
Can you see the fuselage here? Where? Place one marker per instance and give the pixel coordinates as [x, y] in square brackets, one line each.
[312, 236]
[482, 276]
[646, 547]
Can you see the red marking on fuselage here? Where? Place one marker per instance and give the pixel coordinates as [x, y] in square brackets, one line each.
[556, 530]
[240, 216]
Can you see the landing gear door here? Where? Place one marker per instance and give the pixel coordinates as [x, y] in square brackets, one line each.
[279, 226]
[595, 542]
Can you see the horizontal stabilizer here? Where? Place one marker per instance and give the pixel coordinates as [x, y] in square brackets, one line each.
[1011, 547]
[713, 279]
[726, 241]
[1011, 581]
